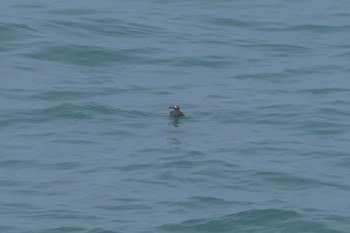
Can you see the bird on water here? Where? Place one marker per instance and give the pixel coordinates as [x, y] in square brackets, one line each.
[176, 111]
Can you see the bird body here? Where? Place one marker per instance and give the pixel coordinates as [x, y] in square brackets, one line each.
[176, 111]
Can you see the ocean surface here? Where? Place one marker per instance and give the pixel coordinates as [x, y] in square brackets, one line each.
[86, 144]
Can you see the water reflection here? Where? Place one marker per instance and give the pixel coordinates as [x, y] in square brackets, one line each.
[174, 141]
[175, 121]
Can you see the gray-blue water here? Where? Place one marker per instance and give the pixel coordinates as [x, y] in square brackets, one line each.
[86, 144]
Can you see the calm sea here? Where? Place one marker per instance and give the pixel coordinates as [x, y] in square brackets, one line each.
[86, 144]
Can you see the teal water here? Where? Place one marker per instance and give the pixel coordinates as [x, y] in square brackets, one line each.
[87, 145]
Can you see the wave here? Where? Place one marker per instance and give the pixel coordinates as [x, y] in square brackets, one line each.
[256, 220]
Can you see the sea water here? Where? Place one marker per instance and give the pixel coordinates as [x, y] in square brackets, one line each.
[86, 144]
